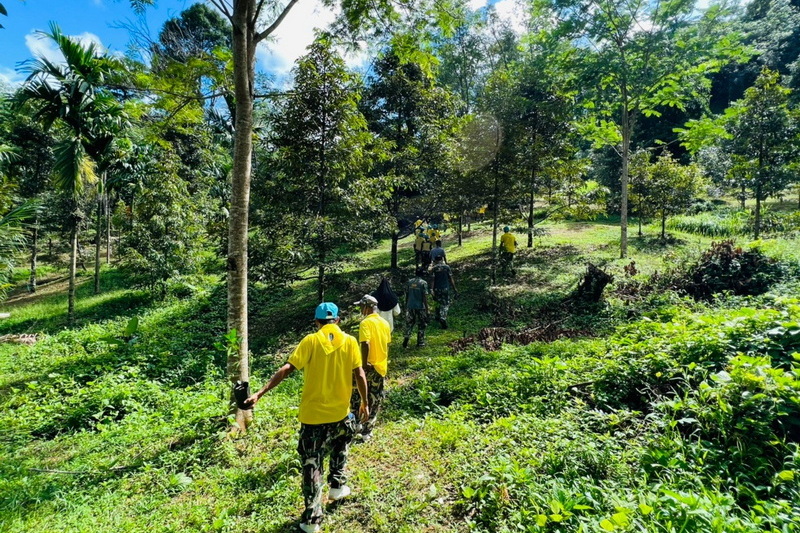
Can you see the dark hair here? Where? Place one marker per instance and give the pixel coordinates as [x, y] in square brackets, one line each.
[438, 243]
[420, 272]
[326, 320]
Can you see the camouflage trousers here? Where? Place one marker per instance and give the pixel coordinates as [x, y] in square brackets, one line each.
[419, 318]
[375, 397]
[507, 261]
[443, 299]
[316, 442]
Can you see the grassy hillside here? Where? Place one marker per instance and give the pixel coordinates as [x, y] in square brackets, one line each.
[649, 412]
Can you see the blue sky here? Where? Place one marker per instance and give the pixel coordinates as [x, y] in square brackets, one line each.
[88, 19]
[93, 20]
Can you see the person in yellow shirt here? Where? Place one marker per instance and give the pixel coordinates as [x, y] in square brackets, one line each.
[508, 247]
[374, 336]
[330, 360]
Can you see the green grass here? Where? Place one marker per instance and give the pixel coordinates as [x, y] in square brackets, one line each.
[612, 430]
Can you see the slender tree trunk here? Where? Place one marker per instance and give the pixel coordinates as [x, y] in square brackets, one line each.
[73, 265]
[34, 253]
[321, 283]
[98, 233]
[395, 238]
[495, 194]
[743, 196]
[663, 226]
[244, 48]
[757, 228]
[626, 147]
[50, 246]
[530, 220]
[640, 225]
[108, 230]
[460, 226]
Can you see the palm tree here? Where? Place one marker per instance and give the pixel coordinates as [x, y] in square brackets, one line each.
[73, 96]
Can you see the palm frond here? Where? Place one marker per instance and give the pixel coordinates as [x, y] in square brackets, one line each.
[73, 168]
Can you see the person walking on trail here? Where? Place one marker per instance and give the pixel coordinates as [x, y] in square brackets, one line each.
[388, 302]
[442, 283]
[330, 360]
[508, 247]
[374, 337]
[419, 239]
[438, 253]
[427, 246]
[416, 308]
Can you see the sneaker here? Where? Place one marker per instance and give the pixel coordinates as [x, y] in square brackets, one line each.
[366, 436]
[338, 494]
[405, 342]
[421, 344]
[309, 528]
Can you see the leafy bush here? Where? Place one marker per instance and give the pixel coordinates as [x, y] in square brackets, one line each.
[726, 267]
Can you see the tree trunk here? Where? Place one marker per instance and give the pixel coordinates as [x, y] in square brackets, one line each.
[108, 230]
[495, 195]
[663, 226]
[244, 48]
[97, 241]
[530, 221]
[50, 246]
[460, 227]
[321, 284]
[626, 147]
[34, 253]
[743, 196]
[73, 264]
[757, 226]
[395, 238]
[640, 226]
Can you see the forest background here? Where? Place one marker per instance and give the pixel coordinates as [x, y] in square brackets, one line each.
[173, 213]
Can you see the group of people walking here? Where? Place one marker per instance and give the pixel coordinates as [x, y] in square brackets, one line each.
[343, 378]
[332, 411]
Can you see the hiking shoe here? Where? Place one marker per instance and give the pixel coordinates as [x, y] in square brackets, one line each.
[366, 436]
[338, 494]
[421, 344]
[309, 528]
[405, 342]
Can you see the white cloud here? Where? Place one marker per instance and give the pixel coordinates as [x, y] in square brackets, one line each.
[10, 79]
[42, 46]
[295, 33]
[475, 5]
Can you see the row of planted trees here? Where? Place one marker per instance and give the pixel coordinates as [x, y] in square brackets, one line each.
[565, 115]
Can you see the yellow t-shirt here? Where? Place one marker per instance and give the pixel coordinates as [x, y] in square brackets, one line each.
[375, 330]
[418, 241]
[508, 242]
[327, 359]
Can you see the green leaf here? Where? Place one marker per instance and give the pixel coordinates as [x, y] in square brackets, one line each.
[541, 520]
[607, 525]
[786, 475]
[132, 327]
[645, 509]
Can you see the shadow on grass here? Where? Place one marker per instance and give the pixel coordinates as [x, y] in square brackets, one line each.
[51, 316]
[654, 243]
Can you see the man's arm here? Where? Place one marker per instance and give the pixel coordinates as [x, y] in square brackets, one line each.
[361, 384]
[364, 354]
[282, 373]
[452, 282]
[425, 300]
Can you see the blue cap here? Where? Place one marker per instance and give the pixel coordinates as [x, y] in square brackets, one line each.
[326, 311]
[506, 229]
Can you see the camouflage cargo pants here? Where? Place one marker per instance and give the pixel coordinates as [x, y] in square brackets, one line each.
[419, 318]
[315, 443]
[443, 298]
[507, 262]
[375, 396]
